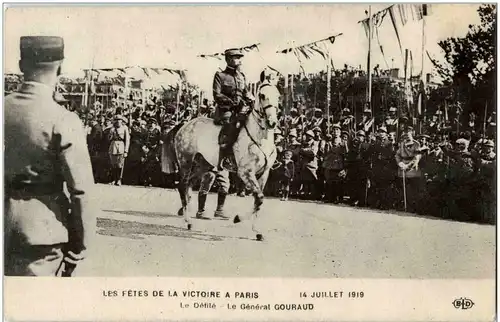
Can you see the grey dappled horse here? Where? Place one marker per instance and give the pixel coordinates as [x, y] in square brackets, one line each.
[194, 150]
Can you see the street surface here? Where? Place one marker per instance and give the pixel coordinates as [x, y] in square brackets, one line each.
[140, 234]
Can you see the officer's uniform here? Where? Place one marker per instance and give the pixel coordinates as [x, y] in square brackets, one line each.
[357, 170]
[152, 167]
[382, 171]
[335, 168]
[487, 165]
[309, 165]
[119, 138]
[136, 156]
[409, 154]
[45, 148]
[229, 92]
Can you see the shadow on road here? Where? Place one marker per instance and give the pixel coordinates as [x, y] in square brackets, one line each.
[137, 230]
[143, 213]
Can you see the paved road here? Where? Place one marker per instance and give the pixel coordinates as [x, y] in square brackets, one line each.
[140, 234]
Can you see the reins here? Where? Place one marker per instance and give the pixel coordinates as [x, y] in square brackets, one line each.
[258, 116]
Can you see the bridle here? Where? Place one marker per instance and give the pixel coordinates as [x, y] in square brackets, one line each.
[260, 117]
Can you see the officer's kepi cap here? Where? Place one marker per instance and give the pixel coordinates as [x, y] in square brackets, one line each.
[42, 49]
[233, 52]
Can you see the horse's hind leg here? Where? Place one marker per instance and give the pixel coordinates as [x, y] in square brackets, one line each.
[185, 191]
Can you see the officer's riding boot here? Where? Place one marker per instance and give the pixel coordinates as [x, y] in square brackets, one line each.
[219, 212]
[223, 145]
[202, 199]
[226, 141]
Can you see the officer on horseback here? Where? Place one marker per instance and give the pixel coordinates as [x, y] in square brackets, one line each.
[233, 100]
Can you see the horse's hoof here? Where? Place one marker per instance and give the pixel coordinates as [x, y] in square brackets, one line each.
[190, 226]
[236, 219]
[180, 212]
[260, 237]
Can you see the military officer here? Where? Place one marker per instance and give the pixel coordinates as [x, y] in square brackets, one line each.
[231, 97]
[357, 169]
[119, 138]
[382, 172]
[391, 120]
[46, 233]
[367, 121]
[408, 158]
[151, 168]
[334, 165]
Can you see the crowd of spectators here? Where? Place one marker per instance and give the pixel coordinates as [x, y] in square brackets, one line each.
[333, 160]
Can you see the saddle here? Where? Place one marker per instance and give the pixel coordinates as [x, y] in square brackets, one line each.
[228, 136]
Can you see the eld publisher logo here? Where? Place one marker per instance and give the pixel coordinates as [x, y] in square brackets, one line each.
[463, 303]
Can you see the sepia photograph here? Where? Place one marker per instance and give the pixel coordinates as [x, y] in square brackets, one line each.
[282, 141]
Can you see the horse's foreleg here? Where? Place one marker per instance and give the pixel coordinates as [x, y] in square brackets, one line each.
[254, 185]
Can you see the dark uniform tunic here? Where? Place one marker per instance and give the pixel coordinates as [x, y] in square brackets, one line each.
[382, 173]
[229, 89]
[335, 169]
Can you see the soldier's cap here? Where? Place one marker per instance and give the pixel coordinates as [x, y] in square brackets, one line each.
[422, 136]
[233, 52]
[294, 110]
[42, 49]
[393, 109]
[288, 151]
[489, 143]
[344, 132]
[361, 133]
[367, 111]
[409, 128]
[336, 126]
[382, 129]
[152, 120]
[318, 110]
[462, 141]
[120, 117]
[316, 129]
[310, 133]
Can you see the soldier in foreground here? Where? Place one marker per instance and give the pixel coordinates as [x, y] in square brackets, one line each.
[46, 234]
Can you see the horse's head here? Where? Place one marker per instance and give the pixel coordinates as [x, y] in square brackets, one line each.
[268, 99]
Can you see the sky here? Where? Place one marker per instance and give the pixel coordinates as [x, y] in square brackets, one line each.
[172, 35]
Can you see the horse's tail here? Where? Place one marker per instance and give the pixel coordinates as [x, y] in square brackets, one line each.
[170, 163]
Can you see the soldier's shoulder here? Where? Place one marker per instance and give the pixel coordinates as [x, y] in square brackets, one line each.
[221, 73]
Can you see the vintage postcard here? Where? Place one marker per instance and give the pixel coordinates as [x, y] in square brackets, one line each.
[319, 162]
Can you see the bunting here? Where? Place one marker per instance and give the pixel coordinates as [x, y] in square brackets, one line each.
[312, 49]
[220, 56]
[400, 15]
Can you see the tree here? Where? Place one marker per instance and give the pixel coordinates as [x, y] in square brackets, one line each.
[470, 68]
